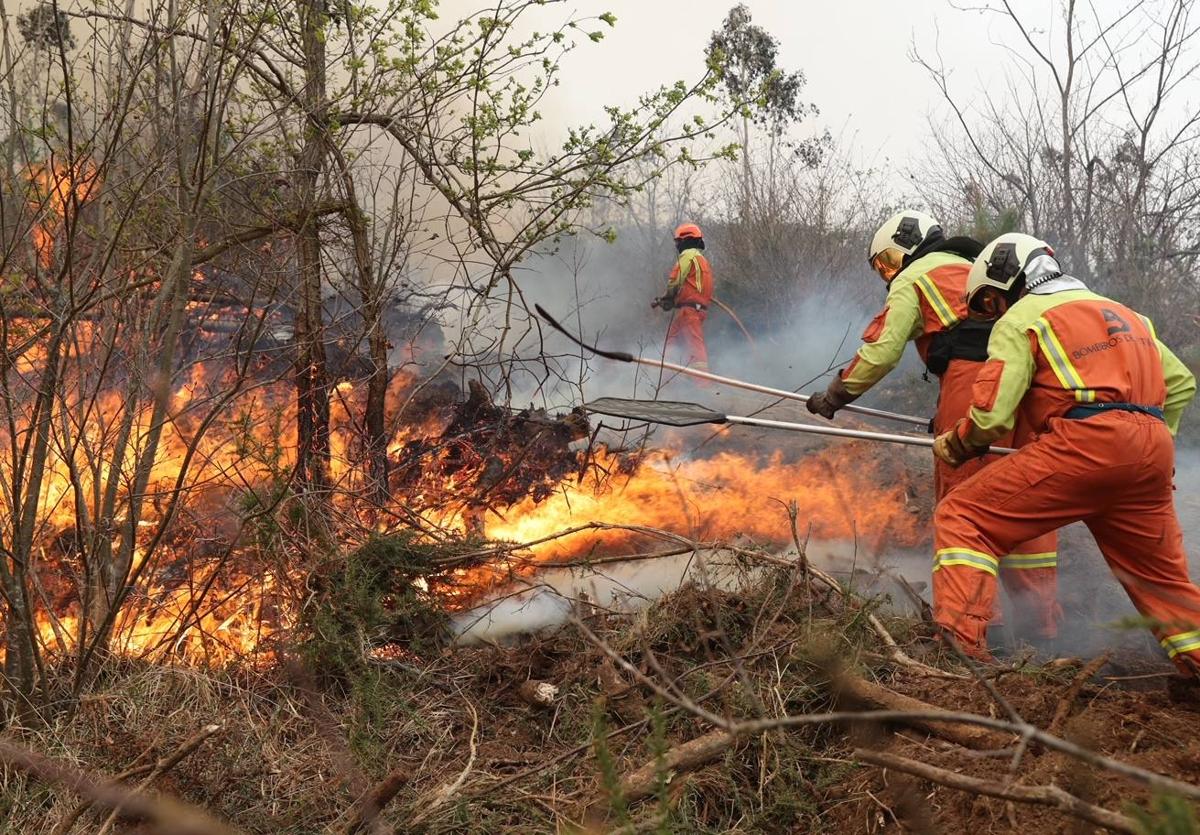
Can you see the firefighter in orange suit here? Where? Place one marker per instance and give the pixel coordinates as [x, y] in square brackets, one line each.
[689, 293]
[926, 274]
[1104, 396]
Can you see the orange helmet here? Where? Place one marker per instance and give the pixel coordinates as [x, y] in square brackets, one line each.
[688, 230]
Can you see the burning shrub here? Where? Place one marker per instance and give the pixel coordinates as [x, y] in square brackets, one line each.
[373, 599]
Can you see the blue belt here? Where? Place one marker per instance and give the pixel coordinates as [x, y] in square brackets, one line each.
[1087, 410]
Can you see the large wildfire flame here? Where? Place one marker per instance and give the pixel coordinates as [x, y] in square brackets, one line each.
[844, 492]
[214, 588]
[840, 493]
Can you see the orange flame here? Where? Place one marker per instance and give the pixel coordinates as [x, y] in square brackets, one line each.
[844, 491]
[57, 191]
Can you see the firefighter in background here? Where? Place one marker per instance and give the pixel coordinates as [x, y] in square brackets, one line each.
[926, 275]
[1104, 396]
[689, 293]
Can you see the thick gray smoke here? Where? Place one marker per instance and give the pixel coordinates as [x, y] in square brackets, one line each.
[603, 291]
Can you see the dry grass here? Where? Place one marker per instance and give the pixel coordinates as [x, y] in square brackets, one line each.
[468, 755]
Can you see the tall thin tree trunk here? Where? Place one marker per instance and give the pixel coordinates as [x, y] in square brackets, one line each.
[312, 376]
[372, 290]
[746, 196]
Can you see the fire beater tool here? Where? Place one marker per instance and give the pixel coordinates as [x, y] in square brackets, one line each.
[783, 394]
[672, 413]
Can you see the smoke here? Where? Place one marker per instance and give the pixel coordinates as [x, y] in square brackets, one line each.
[603, 291]
[547, 603]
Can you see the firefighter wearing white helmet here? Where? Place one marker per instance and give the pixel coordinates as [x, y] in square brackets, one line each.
[1005, 268]
[925, 273]
[900, 236]
[926, 276]
[1102, 396]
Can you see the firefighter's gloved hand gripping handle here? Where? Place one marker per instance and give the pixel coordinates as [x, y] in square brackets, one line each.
[783, 394]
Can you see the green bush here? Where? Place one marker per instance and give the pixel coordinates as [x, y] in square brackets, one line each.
[1166, 815]
[373, 597]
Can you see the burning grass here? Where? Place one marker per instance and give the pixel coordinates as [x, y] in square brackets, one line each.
[223, 551]
[322, 633]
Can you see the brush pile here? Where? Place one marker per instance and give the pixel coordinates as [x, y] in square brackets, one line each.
[748, 709]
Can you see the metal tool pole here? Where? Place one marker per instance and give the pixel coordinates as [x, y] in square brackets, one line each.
[783, 394]
[838, 432]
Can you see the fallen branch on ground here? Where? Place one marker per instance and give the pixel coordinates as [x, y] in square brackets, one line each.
[1051, 796]
[1068, 698]
[686, 757]
[368, 807]
[164, 814]
[869, 694]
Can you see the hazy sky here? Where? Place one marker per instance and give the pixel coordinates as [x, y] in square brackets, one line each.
[855, 54]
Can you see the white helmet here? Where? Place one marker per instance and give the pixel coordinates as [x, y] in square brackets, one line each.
[899, 236]
[1002, 262]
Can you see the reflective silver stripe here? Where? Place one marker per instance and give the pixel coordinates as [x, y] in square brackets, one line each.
[965, 556]
[1181, 642]
[1022, 561]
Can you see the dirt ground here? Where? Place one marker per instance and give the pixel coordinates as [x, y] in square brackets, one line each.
[1141, 728]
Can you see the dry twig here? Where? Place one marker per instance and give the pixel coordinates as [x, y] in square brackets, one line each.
[368, 807]
[165, 815]
[1072, 693]
[448, 791]
[685, 757]
[1051, 796]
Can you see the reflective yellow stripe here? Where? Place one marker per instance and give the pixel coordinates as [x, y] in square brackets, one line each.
[1063, 370]
[687, 262]
[967, 557]
[1021, 561]
[1182, 642]
[937, 301]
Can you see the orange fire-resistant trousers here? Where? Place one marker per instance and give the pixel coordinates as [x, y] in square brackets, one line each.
[1114, 473]
[685, 338]
[1029, 572]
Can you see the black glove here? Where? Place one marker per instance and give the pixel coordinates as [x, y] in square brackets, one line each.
[666, 302]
